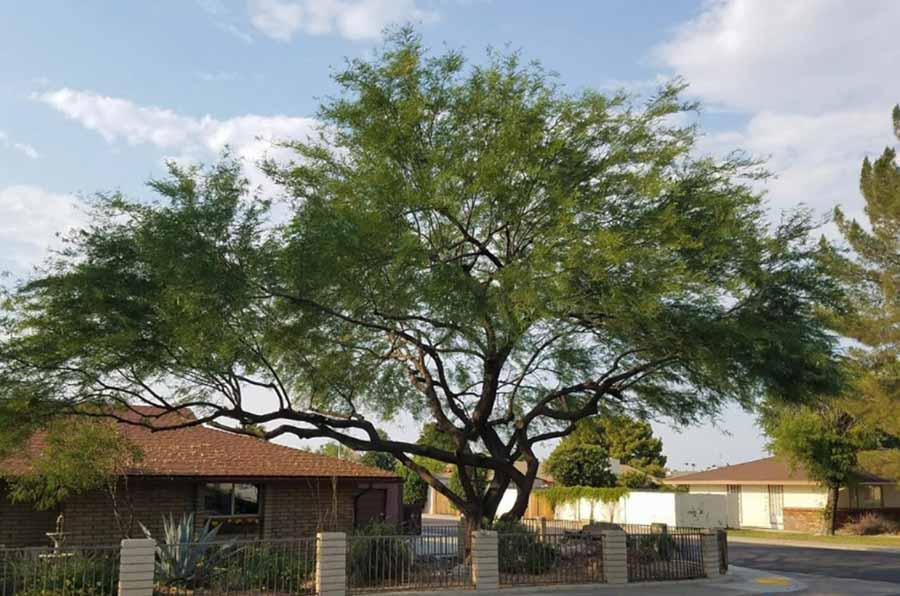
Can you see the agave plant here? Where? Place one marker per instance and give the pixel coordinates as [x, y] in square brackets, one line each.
[187, 554]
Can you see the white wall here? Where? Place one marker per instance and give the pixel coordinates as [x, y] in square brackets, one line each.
[805, 497]
[647, 507]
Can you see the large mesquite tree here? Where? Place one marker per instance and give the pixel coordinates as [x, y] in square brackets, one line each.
[470, 244]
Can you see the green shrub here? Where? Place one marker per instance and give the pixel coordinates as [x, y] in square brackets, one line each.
[264, 567]
[377, 553]
[655, 547]
[521, 552]
[67, 575]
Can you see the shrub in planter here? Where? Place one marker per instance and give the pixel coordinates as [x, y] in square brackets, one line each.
[377, 553]
[264, 567]
[69, 575]
[520, 551]
[655, 547]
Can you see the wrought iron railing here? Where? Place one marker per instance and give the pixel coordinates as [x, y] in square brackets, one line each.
[660, 553]
[39, 571]
[434, 559]
[528, 557]
[285, 566]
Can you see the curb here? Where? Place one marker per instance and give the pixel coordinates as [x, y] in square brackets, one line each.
[811, 544]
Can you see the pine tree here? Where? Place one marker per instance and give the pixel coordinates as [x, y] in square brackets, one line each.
[872, 276]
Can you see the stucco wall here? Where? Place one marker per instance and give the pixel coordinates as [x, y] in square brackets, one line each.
[647, 507]
[805, 497]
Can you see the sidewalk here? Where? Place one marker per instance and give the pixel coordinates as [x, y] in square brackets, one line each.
[740, 580]
[812, 544]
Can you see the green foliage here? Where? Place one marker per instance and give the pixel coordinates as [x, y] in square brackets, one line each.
[630, 440]
[378, 459]
[653, 548]
[824, 441]
[560, 495]
[635, 480]
[71, 574]
[871, 275]
[264, 567]
[186, 555]
[377, 553]
[580, 465]
[78, 455]
[455, 231]
[519, 551]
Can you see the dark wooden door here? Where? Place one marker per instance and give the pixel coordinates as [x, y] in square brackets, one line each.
[370, 506]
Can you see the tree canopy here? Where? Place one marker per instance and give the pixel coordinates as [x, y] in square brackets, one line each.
[471, 244]
[79, 455]
[628, 439]
[872, 276]
[581, 465]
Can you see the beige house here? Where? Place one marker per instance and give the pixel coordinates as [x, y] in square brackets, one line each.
[770, 493]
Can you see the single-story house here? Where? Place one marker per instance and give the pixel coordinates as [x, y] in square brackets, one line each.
[248, 485]
[771, 493]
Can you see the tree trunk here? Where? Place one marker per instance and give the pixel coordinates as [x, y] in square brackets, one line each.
[831, 510]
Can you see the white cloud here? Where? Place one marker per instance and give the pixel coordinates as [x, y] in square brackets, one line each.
[32, 220]
[803, 56]
[352, 19]
[813, 80]
[24, 148]
[251, 137]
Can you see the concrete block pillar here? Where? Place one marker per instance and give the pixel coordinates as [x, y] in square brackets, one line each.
[485, 561]
[331, 564]
[136, 562]
[615, 556]
[709, 547]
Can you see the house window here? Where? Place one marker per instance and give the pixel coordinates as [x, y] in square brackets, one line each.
[232, 507]
[229, 499]
[865, 497]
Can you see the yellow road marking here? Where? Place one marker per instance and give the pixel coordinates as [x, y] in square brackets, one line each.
[773, 581]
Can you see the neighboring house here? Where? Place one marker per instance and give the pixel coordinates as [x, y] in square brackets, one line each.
[770, 493]
[249, 486]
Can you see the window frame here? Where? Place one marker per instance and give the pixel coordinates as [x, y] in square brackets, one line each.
[856, 502]
[233, 515]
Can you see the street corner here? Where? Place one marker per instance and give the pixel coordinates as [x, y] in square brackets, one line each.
[755, 581]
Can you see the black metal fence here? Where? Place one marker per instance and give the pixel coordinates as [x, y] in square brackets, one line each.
[434, 559]
[659, 553]
[39, 571]
[548, 556]
[238, 567]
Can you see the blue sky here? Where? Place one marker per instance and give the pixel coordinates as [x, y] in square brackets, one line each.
[96, 95]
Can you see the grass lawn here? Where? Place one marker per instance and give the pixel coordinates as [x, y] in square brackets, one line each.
[797, 536]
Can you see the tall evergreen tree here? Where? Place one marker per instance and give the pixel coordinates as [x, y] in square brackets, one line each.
[872, 276]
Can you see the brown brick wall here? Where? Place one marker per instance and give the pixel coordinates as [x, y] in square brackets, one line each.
[90, 520]
[803, 520]
[300, 508]
[20, 525]
[290, 508]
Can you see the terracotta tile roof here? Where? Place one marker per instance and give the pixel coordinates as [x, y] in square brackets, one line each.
[769, 470]
[201, 451]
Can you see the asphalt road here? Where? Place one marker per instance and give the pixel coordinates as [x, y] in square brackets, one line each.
[865, 565]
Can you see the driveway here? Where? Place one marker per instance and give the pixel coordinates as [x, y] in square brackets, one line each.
[865, 565]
